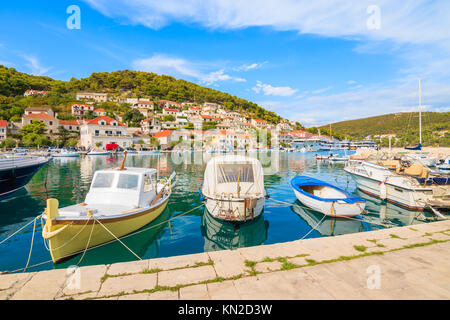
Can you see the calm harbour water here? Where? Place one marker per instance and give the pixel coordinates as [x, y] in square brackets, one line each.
[68, 180]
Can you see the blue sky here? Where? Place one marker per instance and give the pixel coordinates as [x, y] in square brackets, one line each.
[310, 61]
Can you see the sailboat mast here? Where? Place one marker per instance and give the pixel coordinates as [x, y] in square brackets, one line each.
[420, 111]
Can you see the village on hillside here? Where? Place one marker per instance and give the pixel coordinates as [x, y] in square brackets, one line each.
[162, 124]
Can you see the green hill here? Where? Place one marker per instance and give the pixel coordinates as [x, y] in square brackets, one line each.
[13, 84]
[404, 125]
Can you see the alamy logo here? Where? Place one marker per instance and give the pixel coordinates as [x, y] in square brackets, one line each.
[374, 20]
[73, 280]
[74, 20]
[374, 279]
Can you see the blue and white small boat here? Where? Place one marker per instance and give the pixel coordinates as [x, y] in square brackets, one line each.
[326, 198]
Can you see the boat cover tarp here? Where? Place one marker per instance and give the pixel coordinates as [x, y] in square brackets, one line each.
[434, 180]
[300, 181]
[222, 174]
[418, 147]
[111, 146]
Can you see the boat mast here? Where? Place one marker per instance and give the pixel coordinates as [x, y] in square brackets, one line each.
[420, 112]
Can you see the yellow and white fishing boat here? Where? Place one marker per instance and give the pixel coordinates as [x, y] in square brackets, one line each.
[120, 201]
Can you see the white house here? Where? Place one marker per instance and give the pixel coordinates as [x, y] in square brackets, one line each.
[150, 125]
[99, 97]
[104, 130]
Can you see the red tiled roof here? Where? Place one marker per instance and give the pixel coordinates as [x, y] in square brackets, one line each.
[40, 116]
[148, 119]
[108, 121]
[258, 120]
[205, 116]
[169, 109]
[99, 110]
[69, 122]
[145, 102]
[163, 134]
[3, 123]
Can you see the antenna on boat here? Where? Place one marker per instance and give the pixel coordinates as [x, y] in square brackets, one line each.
[123, 161]
[420, 111]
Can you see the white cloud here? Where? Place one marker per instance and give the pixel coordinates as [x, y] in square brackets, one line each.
[322, 90]
[351, 82]
[35, 66]
[247, 67]
[267, 89]
[179, 67]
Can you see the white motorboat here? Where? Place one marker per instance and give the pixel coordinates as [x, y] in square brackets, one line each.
[66, 153]
[233, 188]
[445, 165]
[421, 158]
[98, 153]
[326, 198]
[410, 187]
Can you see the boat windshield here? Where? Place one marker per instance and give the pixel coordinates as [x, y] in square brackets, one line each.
[103, 180]
[128, 181]
[230, 173]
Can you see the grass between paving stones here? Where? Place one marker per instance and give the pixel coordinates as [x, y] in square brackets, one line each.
[287, 266]
[360, 248]
[396, 236]
[156, 270]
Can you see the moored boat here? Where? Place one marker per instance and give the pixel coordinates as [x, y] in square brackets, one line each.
[98, 153]
[326, 198]
[120, 201]
[411, 186]
[233, 188]
[16, 172]
[66, 153]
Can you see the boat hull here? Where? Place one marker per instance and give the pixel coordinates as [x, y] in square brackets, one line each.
[331, 208]
[379, 183]
[13, 179]
[75, 237]
[237, 210]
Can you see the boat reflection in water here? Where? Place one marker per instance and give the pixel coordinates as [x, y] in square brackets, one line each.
[223, 235]
[144, 243]
[329, 226]
[390, 215]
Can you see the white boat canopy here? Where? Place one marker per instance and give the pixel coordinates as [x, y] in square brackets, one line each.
[223, 175]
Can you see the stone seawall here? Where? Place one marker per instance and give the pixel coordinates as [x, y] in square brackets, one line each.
[409, 262]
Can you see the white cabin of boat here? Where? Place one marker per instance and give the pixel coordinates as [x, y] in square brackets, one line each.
[115, 191]
[233, 175]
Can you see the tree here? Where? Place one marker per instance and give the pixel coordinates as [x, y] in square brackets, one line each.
[168, 118]
[37, 127]
[63, 136]
[133, 117]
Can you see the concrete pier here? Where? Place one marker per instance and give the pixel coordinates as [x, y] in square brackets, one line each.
[409, 262]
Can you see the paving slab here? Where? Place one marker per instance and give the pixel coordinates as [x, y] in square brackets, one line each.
[268, 266]
[127, 284]
[164, 295]
[223, 291]
[178, 261]
[197, 292]
[186, 276]
[228, 263]
[85, 279]
[122, 268]
[44, 285]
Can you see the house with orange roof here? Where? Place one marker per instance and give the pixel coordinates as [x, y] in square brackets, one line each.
[37, 110]
[92, 96]
[33, 92]
[51, 123]
[104, 130]
[80, 110]
[301, 134]
[99, 112]
[150, 125]
[3, 129]
[170, 111]
[165, 137]
[144, 104]
[71, 125]
[169, 104]
[258, 123]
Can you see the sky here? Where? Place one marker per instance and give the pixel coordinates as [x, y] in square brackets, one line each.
[314, 62]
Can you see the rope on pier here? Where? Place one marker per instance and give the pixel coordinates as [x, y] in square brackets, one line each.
[31, 246]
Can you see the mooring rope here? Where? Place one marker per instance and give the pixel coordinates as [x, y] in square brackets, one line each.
[31, 246]
[88, 242]
[19, 229]
[129, 235]
[117, 238]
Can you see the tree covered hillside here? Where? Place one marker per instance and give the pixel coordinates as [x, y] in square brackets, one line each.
[157, 87]
[404, 125]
